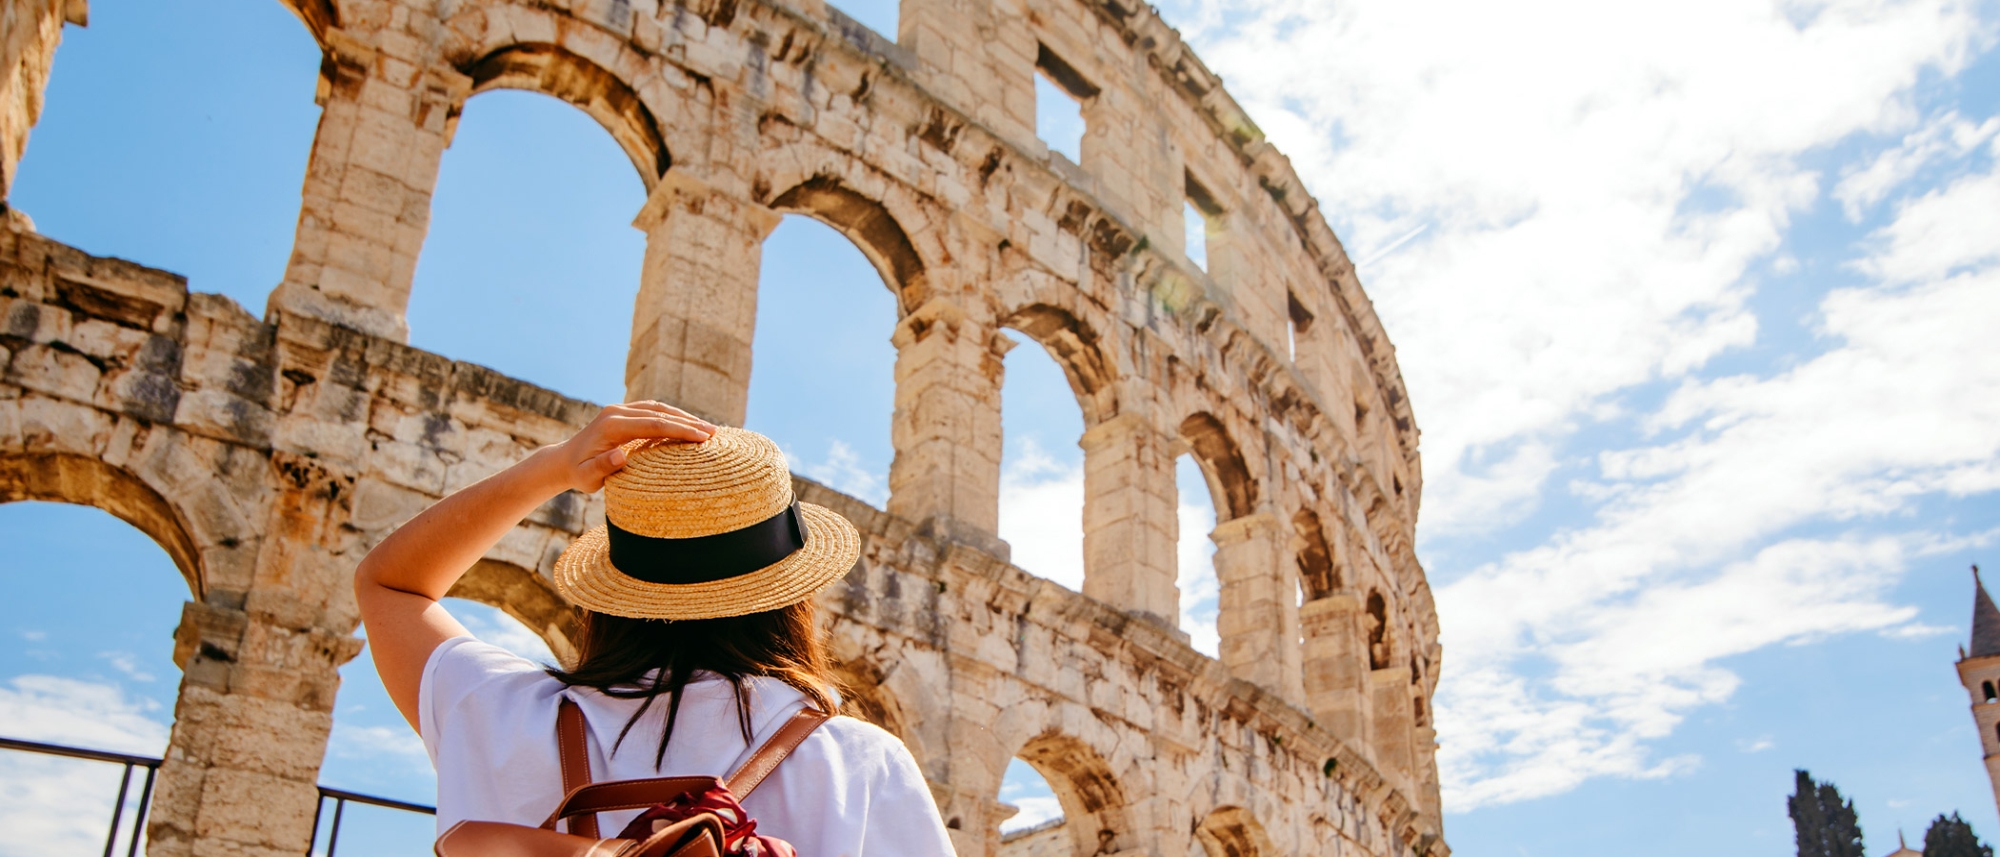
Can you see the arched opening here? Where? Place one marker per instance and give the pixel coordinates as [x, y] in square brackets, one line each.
[553, 70]
[1201, 591]
[1222, 466]
[531, 263]
[1987, 686]
[870, 226]
[372, 750]
[93, 604]
[1226, 492]
[1318, 576]
[1381, 645]
[1041, 466]
[823, 381]
[1089, 799]
[1231, 831]
[132, 159]
[528, 599]
[1036, 827]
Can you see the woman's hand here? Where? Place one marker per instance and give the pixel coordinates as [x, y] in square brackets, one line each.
[598, 450]
[399, 583]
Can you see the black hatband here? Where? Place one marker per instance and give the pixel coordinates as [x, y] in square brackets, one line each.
[704, 559]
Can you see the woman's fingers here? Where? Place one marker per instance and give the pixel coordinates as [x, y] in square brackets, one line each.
[618, 429]
[664, 408]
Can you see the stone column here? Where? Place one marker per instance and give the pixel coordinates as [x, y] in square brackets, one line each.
[29, 33]
[389, 110]
[250, 730]
[697, 307]
[946, 430]
[1334, 663]
[1259, 616]
[259, 673]
[1391, 723]
[1130, 523]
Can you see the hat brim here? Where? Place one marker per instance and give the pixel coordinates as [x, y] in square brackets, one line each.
[585, 576]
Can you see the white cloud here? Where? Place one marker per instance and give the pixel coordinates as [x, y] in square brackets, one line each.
[51, 807]
[1948, 135]
[1601, 194]
[127, 663]
[1041, 514]
[843, 471]
[1025, 789]
[1631, 614]
[1200, 591]
[492, 625]
[1597, 187]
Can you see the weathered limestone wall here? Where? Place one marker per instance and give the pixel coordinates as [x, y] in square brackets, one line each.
[267, 455]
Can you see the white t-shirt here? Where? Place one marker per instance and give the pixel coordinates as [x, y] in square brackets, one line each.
[488, 720]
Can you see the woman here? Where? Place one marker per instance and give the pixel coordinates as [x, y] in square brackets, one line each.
[698, 639]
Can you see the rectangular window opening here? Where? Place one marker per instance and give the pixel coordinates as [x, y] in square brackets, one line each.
[1199, 211]
[1196, 225]
[1059, 95]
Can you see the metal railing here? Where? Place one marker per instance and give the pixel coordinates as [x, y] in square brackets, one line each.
[341, 798]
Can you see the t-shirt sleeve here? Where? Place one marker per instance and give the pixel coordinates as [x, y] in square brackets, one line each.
[903, 819]
[459, 671]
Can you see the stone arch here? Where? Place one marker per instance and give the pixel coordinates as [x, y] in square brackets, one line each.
[869, 224]
[1229, 480]
[1078, 349]
[1315, 555]
[84, 481]
[528, 598]
[319, 16]
[865, 696]
[1232, 831]
[1093, 801]
[556, 71]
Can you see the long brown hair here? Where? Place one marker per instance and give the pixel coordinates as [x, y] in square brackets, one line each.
[644, 658]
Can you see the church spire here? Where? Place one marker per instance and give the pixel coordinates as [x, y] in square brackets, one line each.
[1985, 620]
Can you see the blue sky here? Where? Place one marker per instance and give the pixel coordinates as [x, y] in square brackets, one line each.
[1694, 306]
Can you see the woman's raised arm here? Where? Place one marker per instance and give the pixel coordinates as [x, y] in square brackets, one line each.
[399, 583]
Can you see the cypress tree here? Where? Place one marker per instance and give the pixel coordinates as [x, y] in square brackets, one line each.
[1952, 837]
[1823, 825]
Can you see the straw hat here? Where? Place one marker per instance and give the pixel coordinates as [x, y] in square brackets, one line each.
[702, 531]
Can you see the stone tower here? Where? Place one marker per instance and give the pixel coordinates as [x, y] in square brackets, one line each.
[267, 453]
[1979, 671]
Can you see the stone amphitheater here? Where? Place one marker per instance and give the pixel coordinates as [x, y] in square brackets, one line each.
[266, 455]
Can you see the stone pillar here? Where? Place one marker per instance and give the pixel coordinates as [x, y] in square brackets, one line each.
[250, 730]
[946, 430]
[389, 111]
[697, 307]
[29, 33]
[1259, 616]
[1391, 723]
[1334, 663]
[1130, 518]
[259, 673]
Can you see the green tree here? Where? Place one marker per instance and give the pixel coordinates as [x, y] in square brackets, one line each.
[1824, 825]
[1952, 837]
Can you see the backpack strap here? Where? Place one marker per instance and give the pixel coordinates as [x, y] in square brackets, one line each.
[766, 759]
[574, 754]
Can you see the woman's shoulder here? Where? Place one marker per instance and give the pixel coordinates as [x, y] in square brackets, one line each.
[863, 746]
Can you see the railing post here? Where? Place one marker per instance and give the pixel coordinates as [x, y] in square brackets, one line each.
[118, 810]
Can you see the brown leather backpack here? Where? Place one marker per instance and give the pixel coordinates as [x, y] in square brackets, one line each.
[700, 835]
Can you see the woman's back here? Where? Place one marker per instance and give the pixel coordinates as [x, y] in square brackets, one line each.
[488, 721]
